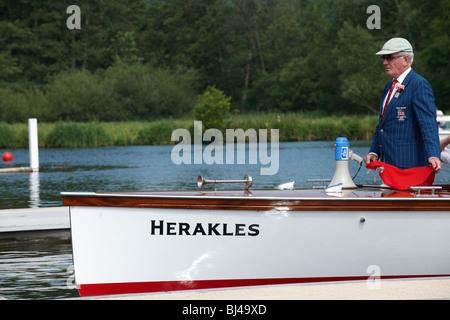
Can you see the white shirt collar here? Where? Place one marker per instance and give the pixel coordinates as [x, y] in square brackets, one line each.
[403, 75]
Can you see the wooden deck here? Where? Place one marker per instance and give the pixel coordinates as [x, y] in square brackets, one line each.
[34, 223]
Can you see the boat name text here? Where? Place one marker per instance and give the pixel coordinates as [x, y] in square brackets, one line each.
[164, 228]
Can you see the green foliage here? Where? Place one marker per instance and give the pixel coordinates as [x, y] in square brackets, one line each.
[124, 48]
[291, 126]
[11, 105]
[122, 92]
[143, 92]
[156, 133]
[10, 68]
[76, 135]
[6, 135]
[212, 108]
[359, 88]
[79, 96]
[436, 56]
[141, 59]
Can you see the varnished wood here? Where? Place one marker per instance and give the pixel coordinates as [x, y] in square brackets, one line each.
[362, 199]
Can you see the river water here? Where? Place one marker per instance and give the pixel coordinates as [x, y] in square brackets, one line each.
[44, 271]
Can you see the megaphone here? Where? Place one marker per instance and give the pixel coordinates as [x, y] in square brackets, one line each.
[341, 178]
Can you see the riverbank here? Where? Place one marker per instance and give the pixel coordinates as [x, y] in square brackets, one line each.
[291, 126]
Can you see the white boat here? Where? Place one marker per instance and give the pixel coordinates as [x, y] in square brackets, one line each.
[444, 132]
[135, 242]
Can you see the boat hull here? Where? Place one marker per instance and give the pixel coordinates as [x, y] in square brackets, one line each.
[119, 250]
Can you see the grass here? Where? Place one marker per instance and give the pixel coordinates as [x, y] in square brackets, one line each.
[292, 127]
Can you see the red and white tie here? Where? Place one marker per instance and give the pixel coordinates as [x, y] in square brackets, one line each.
[388, 98]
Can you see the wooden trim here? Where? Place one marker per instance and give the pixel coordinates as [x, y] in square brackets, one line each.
[209, 202]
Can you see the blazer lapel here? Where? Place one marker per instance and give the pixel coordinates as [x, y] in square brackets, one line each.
[393, 99]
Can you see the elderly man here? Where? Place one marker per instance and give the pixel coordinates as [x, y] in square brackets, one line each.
[407, 133]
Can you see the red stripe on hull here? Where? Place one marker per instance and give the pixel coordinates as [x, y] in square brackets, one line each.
[161, 286]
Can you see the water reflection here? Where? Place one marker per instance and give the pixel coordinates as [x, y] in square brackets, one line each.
[36, 272]
[43, 272]
[147, 168]
[34, 189]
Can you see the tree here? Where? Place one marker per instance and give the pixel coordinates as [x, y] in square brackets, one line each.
[306, 81]
[124, 48]
[436, 57]
[361, 74]
[267, 55]
[9, 65]
[212, 107]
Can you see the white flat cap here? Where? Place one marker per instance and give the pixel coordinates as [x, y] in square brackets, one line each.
[396, 45]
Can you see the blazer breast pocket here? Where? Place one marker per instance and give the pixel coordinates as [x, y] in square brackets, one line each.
[401, 114]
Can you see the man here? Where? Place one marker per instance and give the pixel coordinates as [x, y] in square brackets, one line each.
[407, 133]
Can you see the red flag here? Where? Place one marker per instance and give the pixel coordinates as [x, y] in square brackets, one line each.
[403, 179]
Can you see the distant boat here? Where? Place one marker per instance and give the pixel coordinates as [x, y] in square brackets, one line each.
[444, 132]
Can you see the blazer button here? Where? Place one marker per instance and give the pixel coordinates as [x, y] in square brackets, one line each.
[381, 130]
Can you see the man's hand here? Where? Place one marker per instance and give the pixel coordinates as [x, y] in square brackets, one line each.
[370, 157]
[436, 163]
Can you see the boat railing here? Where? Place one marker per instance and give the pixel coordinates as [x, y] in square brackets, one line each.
[420, 188]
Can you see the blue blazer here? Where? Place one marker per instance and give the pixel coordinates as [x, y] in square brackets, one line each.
[408, 134]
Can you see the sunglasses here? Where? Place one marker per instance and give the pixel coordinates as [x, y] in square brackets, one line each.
[389, 58]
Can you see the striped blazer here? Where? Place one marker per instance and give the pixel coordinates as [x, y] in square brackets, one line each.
[408, 134]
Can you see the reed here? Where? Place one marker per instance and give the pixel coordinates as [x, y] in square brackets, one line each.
[291, 126]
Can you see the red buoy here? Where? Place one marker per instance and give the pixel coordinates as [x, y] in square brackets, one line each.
[7, 156]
